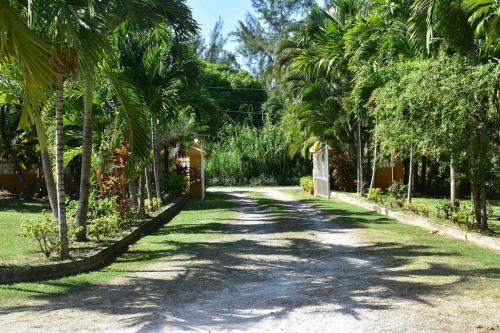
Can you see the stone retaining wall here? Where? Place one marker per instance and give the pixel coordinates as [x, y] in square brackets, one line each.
[95, 260]
[473, 237]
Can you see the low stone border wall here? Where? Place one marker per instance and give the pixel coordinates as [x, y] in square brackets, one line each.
[95, 260]
[473, 237]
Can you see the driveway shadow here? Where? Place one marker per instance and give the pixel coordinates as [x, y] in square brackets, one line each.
[260, 269]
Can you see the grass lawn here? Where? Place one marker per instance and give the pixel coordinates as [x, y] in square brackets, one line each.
[434, 203]
[168, 241]
[13, 247]
[417, 254]
[17, 250]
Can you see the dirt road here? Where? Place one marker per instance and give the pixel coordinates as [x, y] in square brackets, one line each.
[296, 271]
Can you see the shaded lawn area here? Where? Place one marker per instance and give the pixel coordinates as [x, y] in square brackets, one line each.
[13, 247]
[178, 234]
[18, 250]
[418, 254]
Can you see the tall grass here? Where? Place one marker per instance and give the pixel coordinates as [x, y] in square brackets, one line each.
[247, 155]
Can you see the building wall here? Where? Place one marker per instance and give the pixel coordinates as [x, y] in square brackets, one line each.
[383, 176]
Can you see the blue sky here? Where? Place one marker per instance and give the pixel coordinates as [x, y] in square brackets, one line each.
[206, 12]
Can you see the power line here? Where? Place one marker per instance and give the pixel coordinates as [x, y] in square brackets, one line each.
[251, 112]
[237, 100]
[231, 88]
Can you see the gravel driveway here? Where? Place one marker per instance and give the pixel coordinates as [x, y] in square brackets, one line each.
[268, 273]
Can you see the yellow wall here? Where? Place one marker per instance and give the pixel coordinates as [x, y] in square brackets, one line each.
[383, 176]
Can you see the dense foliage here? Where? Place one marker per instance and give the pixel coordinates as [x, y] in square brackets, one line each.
[244, 154]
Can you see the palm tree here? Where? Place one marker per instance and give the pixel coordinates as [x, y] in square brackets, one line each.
[323, 55]
[76, 42]
[484, 14]
[149, 52]
[18, 42]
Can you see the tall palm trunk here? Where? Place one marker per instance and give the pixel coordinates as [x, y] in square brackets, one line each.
[374, 168]
[156, 155]
[50, 184]
[83, 208]
[142, 190]
[61, 197]
[360, 159]
[410, 178]
[453, 187]
[148, 183]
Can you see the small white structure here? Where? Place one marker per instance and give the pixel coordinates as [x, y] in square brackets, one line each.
[321, 174]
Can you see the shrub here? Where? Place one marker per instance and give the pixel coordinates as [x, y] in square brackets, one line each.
[152, 205]
[397, 190]
[461, 215]
[342, 170]
[424, 210]
[45, 231]
[102, 207]
[448, 209]
[104, 227]
[175, 183]
[307, 183]
[375, 194]
[72, 210]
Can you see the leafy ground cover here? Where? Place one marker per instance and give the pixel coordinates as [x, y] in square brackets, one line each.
[159, 245]
[425, 257]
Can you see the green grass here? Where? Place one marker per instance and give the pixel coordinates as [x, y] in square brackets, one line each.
[170, 240]
[434, 203]
[420, 255]
[13, 247]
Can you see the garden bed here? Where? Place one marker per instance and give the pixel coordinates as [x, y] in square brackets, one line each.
[427, 223]
[96, 259]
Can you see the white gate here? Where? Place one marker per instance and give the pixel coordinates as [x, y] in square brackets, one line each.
[321, 173]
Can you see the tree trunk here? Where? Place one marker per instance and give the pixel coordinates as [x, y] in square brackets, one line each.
[360, 159]
[61, 195]
[392, 168]
[410, 178]
[132, 188]
[166, 159]
[374, 169]
[50, 184]
[453, 186]
[423, 173]
[83, 208]
[24, 185]
[156, 155]
[483, 212]
[148, 183]
[142, 190]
